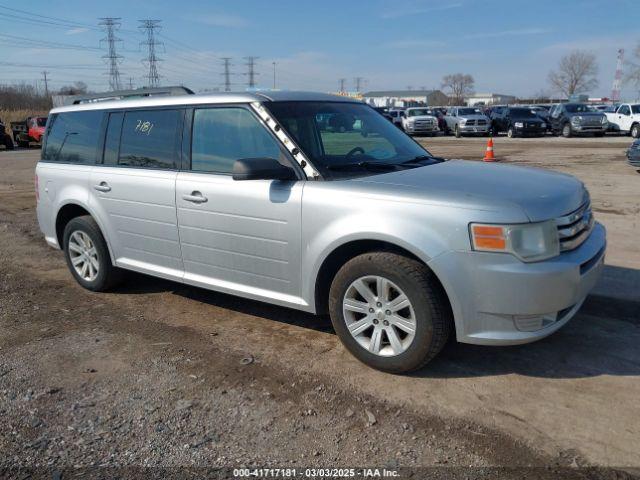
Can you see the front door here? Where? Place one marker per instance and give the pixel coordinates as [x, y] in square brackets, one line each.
[239, 237]
[133, 190]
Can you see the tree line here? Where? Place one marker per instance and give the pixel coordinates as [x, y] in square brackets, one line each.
[24, 96]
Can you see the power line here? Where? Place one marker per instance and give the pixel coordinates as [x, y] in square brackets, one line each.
[226, 62]
[251, 72]
[150, 27]
[111, 24]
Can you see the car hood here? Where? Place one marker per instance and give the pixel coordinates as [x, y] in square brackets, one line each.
[540, 194]
[473, 117]
[422, 117]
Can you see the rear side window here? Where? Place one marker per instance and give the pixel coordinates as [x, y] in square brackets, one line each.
[223, 135]
[73, 138]
[149, 139]
[112, 140]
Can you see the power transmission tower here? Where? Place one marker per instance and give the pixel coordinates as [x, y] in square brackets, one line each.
[358, 81]
[226, 61]
[343, 81]
[251, 71]
[150, 27]
[617, 79]
[130, 83]
[274, 75]
[46, 83]
[110, 25]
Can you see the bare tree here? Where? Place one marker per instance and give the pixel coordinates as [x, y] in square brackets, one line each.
[78, 88]
[459, 86]
[576, 73]
[633, 70]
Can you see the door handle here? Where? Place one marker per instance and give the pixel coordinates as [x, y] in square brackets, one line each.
[195, 197]
[103, 187]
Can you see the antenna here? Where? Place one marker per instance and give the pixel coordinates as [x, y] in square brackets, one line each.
[226, 61]
[150, 27]
[617, 79]
[110, 25]
[251, 73]
[46, 83]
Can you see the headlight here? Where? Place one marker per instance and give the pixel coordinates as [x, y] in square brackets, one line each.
[519, 124]
[604, 120]
[463, 121]
[543, 125]
[530, 242]
[576, 119]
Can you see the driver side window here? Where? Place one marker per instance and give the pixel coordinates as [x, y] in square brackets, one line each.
[344, 131]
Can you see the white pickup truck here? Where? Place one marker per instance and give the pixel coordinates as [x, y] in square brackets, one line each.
[625, 119]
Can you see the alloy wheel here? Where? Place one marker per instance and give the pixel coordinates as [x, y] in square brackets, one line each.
[84, 256]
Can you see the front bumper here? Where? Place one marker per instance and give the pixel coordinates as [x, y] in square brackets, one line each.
[474, 128]
[421, 129]
[499, 300]
[530, 131]
[589, 128]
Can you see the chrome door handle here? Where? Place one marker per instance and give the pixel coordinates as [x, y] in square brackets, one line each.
[103, 187]
[195, 197]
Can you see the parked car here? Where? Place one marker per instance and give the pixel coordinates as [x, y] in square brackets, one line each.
[633, 154]
[568, 119]
[396, 116]
[626, 119]
[5, 138]
[384, 111]
[467, 121]
[439, 114]
[242, 193]
[419, 120]
[517, 122]
[28, 131]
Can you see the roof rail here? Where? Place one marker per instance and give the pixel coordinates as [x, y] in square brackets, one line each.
[137, 93]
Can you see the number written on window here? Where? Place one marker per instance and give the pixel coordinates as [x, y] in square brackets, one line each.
[144, 126]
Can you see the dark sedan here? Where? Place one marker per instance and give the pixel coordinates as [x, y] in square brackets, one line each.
[633, 154]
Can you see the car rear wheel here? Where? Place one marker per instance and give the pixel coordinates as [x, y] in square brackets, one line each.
[635, 131]
[88, 257]
[8, 142]
[389, 311]
[566, 130]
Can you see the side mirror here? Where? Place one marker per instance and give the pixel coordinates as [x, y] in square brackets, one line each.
[261, 169]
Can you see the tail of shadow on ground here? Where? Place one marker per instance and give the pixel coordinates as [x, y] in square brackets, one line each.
[602, 339]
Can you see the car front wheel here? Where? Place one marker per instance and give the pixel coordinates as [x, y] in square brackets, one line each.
[511, 133]
[635, 131]
[389, 311]
[566, 130]
[88, 257]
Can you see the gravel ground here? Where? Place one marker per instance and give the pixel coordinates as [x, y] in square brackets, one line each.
[160, 375]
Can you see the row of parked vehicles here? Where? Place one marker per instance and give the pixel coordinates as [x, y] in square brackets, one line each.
[566, 119]
[25, 133]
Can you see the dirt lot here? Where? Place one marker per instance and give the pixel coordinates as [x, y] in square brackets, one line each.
[158, 374]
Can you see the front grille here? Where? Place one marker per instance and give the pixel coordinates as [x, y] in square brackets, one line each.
[574, 229]
[470, 122]
[482, 122]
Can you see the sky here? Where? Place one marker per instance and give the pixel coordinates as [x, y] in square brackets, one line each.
[508, 46]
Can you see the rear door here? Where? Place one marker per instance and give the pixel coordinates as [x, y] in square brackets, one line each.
[237, 236]
[624, 118]
[133, 190]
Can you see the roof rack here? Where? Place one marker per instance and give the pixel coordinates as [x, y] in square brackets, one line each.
[136, 93]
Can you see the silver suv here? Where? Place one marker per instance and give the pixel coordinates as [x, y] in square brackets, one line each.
[260, 195]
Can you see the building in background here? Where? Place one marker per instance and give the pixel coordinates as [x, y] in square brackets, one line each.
[405, 98]
[490, 99]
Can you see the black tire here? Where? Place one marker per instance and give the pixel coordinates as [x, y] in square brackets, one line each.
[511, 132]
[8, 142]
[598, 134]
[23, 144]
[635, 130]
[108, 276]
[429, 301]
[566, 131]
[457, 131]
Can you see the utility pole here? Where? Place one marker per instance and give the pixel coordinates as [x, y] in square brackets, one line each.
[110, 25]
[130, 83]
[251, 72]
[226, 61]
[46, 84]
[358, 81]
[274, 75]
[343, 81]
[150, 27]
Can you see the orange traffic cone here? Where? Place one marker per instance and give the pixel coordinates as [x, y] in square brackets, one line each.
[488, 157]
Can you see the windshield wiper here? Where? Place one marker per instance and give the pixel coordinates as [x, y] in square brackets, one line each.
[363, 164]
[420, 158]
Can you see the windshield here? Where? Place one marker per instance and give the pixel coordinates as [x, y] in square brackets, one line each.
[522, 113]
[418, 112]
[577, 108]
[347, 139]
[635, 108]
[42, 121]
[468, 111]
